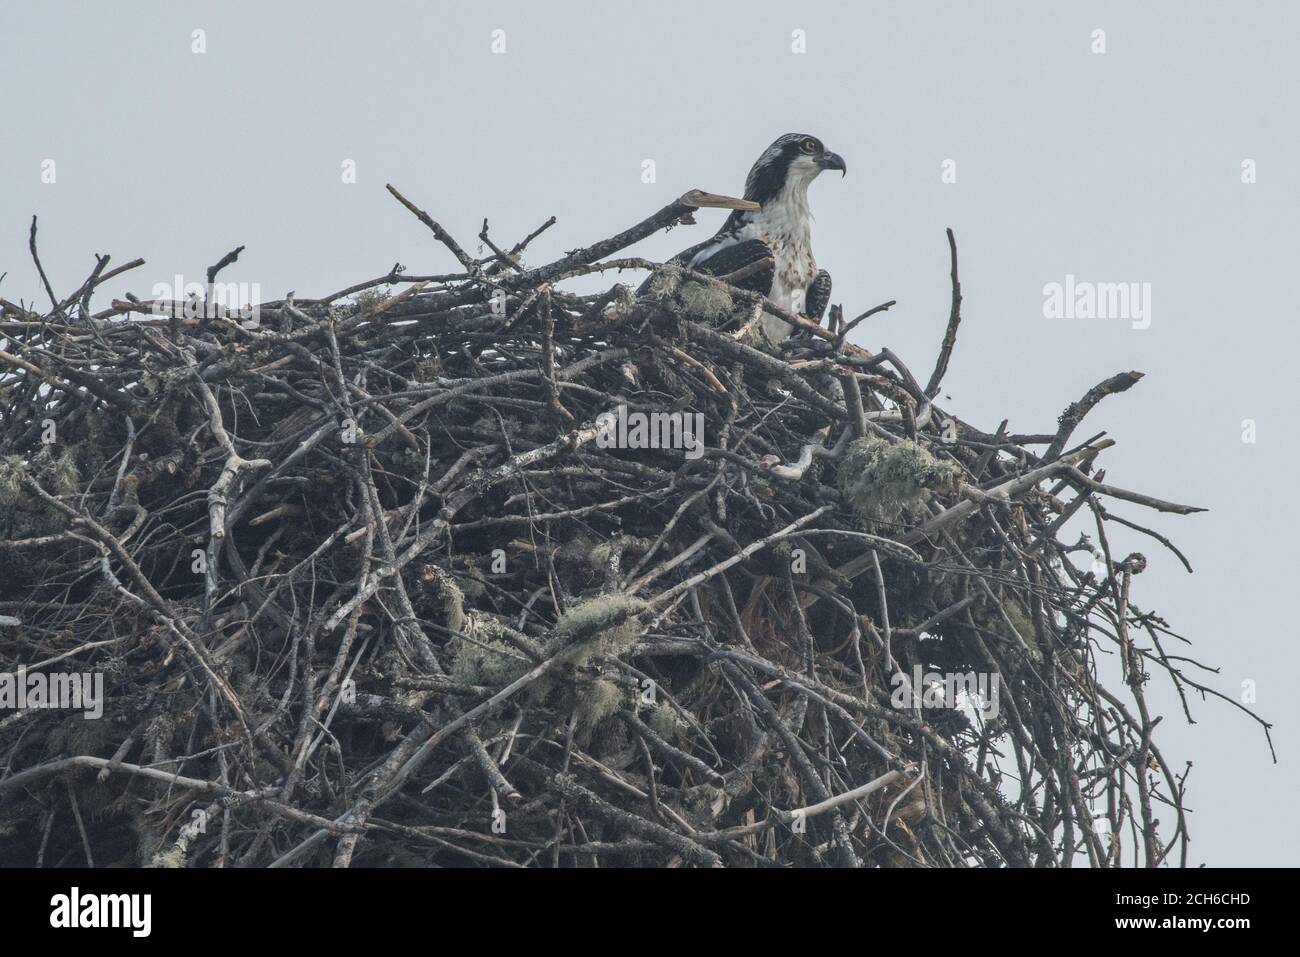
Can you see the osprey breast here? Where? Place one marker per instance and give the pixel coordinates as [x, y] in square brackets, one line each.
[793, 271]
[784, 223]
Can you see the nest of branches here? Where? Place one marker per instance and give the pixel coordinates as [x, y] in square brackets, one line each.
[470, 570]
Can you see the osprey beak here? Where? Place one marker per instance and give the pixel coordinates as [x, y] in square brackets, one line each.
[829, 160]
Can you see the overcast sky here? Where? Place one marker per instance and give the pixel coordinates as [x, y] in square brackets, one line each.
[1122, 166]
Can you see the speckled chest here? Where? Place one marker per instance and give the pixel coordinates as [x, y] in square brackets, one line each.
[784, 227]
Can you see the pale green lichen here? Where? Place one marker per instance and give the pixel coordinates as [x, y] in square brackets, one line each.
[1020, 620]
[367, 299]
[472, 584]
[667, 723]
[705, 301]
[12, 471]
[596, 701]
[174, 857]
[885, 481]
[623, 299]
[63, 474]
[665, 281]
[604, 625]
[444, 589]
[598, 556]
[480, 656]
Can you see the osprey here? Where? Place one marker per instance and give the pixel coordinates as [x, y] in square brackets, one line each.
[780, 230]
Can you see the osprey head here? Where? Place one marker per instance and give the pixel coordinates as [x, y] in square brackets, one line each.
[794, 160]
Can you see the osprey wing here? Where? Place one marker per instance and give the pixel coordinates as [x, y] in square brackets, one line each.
[722, 256]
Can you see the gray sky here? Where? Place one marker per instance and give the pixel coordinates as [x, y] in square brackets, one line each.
[1117, 167]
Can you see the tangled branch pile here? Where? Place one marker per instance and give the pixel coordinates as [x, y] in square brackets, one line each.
[370, 580]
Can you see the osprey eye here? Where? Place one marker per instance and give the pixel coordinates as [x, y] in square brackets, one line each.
[809, 146]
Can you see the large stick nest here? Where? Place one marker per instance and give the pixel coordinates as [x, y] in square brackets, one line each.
[367, 581]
